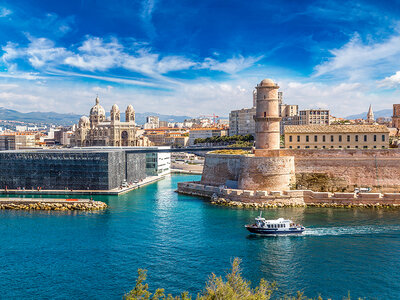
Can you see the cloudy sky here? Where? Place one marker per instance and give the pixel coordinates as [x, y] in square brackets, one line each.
[198, 57]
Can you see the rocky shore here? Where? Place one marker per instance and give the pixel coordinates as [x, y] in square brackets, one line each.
[87, 206]
[266, 205]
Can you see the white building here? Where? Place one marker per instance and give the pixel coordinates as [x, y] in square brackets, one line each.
[203, 133]
[158, 163]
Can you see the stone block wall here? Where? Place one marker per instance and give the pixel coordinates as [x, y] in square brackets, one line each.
[249, 172]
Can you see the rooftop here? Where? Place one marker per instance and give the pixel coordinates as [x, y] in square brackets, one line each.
[335, 128]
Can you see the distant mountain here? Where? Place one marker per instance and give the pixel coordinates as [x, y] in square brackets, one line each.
[377, 114]
[38, 117]
[69, 119]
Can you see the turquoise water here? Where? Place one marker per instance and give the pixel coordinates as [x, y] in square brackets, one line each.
[182, 239]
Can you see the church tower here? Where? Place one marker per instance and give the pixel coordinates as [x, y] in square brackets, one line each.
[130, 114]
[115, 113]
[370, 115]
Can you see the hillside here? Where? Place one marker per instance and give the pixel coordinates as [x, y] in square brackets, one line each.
[69, 119]
[377, 114]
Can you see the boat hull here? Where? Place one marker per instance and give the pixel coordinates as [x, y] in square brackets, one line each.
[274, 231]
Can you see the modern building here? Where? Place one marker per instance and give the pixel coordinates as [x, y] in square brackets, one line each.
[98, 131]
[17, 140]
[202, 133]
[241, 122]
[336, 136]
[158, 163]
[314, 117]
[80, 169]
[152, 122]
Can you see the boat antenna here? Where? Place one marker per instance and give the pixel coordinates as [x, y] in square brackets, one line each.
[260, 214]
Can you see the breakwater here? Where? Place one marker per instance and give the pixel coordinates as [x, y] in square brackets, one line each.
[272, 199]
[51, 204]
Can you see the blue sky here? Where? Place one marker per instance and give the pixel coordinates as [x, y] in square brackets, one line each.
[198, 57]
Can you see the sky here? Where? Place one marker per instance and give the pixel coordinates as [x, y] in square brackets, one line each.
[196, 58]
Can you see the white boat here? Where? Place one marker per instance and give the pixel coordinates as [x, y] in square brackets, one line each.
[278, 226]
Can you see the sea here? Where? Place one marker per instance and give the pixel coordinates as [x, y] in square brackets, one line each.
[181, 240]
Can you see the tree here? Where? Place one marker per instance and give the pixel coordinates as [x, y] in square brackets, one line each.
[233, 287]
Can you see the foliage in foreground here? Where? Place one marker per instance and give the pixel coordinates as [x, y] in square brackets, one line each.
[233, 287]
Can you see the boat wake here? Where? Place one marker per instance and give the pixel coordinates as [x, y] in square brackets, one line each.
[351, 230]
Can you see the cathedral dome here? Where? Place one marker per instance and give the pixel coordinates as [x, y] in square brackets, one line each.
[267, 82]
[83, 121]
[97, 110]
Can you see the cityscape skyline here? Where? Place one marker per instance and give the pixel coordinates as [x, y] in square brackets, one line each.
[198, 59]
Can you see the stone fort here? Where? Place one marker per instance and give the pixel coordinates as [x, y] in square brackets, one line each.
[271, 168]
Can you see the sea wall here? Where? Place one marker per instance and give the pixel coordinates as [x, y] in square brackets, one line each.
[249, 172]
[344, 169]
[288, 198]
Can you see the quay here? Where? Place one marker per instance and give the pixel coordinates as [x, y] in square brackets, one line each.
[51, 204]
[116, 191]
[289, 198]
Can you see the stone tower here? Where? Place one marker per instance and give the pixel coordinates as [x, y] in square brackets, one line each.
[267, 116]
[396, 116]
[370, 115]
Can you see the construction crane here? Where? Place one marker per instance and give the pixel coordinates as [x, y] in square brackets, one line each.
[213, 116]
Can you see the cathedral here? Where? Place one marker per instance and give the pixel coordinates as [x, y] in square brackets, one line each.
[97, 130]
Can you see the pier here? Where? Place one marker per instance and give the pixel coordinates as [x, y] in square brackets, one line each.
[51, 204]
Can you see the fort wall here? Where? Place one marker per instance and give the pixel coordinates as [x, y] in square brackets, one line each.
[249, 172]
[288, 198]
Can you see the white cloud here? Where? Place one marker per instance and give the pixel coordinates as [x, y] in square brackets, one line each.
[95, 54]
[359, 61]
[231, 65]
[4, 12]
[391, 81]
[98, 55]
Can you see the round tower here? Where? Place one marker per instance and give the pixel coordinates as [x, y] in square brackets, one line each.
[267, 117]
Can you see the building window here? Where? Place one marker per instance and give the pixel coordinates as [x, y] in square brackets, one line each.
[340, 146]
[356, 146]
[331, 146]
[265, 97]
[348, 138]
[323, 138]
[290, 147]
[375, 147]
[290, 138]
[357, 139]
[307, 138]
[340, 138]
[265, 114]
[315, 138]
[298, 138]
[315, 147]
[307, 147]
[383, 137]
[348, 146]
[365, 147]
[365, 137]
[298, 147]
[374, 137]
[323, 147]
[331, 138]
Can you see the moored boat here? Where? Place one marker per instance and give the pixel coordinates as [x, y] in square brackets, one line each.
[272, 227]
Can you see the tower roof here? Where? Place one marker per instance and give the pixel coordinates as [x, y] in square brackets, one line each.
[370, 114]
[267, 82]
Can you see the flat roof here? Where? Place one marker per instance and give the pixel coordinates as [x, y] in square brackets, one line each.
[89, 150]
